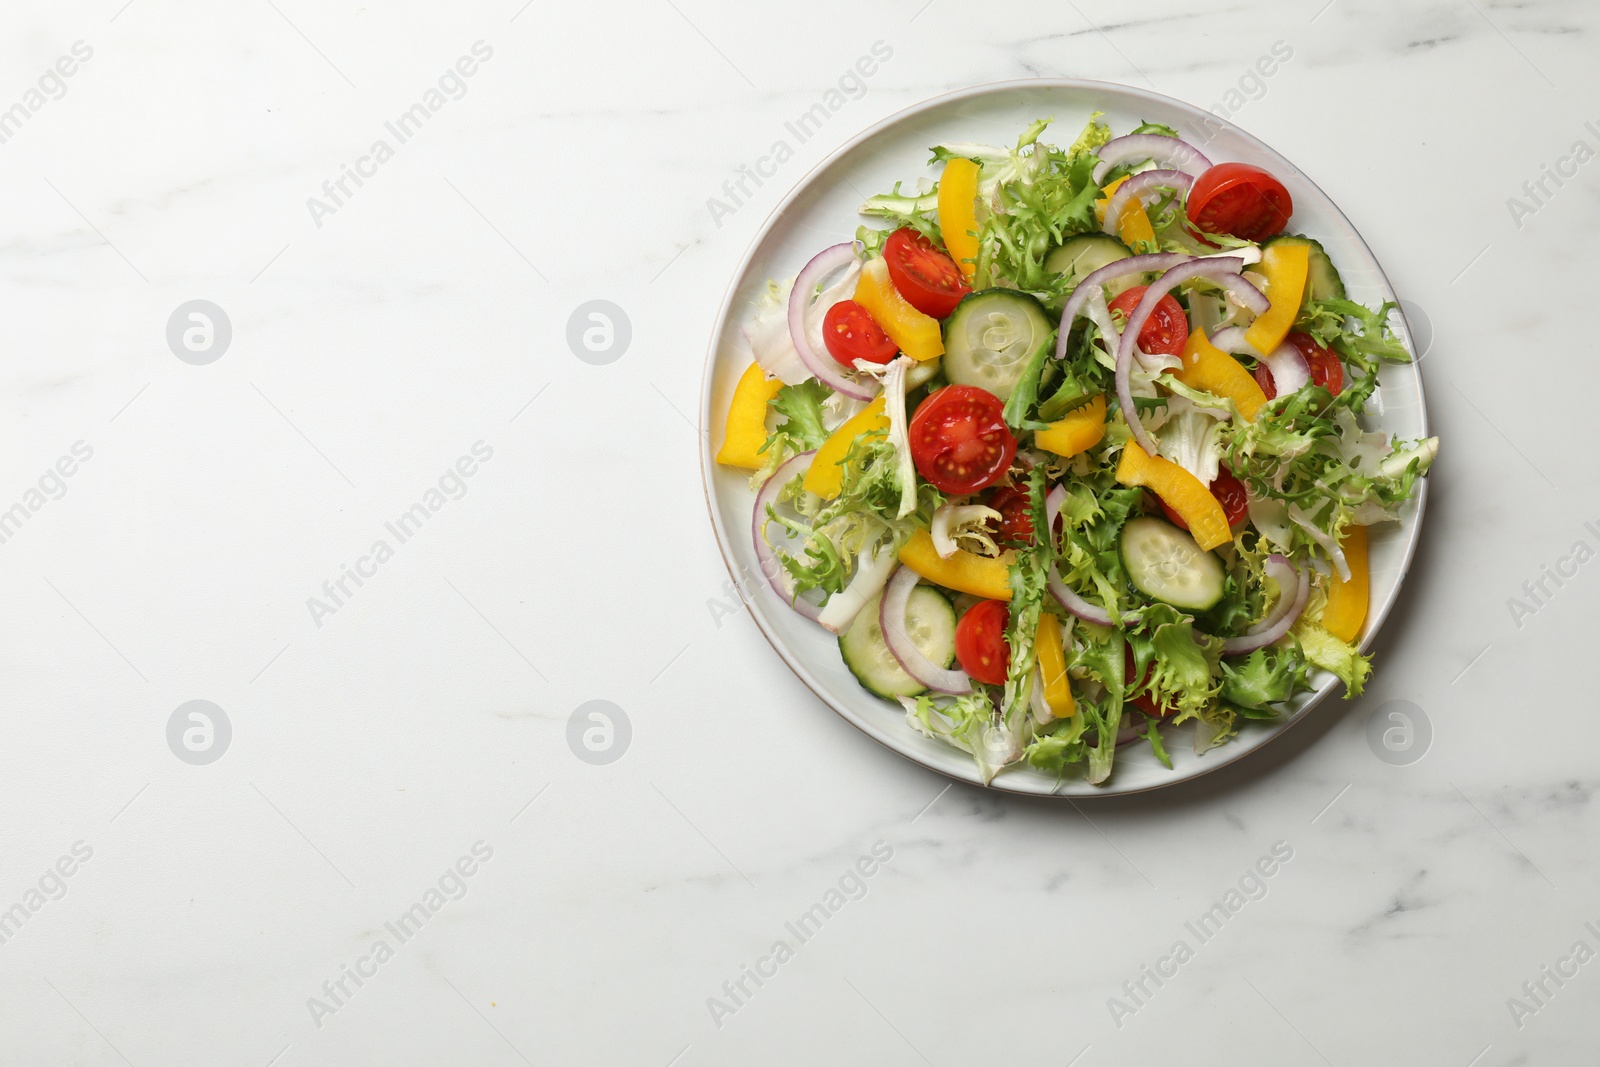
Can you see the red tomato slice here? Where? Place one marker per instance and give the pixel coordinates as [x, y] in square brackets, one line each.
[1238, 199]
[959, 441]
[1144, 702]
[981, 647]
[1016, 515]
[1230, 493]
[1166, 330]
[851, 333]
[928, 279]
[1326, 370]
[1264, 379]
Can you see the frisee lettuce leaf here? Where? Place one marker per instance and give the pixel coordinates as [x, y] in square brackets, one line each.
[801, 408]
[1265, 677]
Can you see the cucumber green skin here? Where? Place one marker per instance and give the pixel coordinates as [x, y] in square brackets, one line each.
[1322, 280]
[1081, 255]
[867, 655]
[1203, 567]
[960, 363]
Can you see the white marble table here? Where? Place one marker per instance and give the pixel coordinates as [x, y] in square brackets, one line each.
[407, 335]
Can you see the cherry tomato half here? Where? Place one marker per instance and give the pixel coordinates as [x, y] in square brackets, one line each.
[1165, 331]
[1144, 701]
[1326, 370]
[959, 441]
[1230, 493]
[1238, 199]
[851, 333]
[981, 647]
[928, 279]
[1016, 515]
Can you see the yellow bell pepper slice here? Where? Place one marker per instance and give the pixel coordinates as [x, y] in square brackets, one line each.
[1347, 601]
[1209, 369]
[965, 571]
[1081, 429]
[1180, 490]
[825, 477]
[917, 334]
[1285, 266]
[1134, 226]
[1053, 667]
[958, 221]
[747, 419]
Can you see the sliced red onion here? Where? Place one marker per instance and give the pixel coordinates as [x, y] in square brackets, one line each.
[823, 365]
[766, 556]
[1243, 292]
[892, 619]
[1052, 506]
[1138, 186]
[1290, 371]
[1099, 313]
[1300, 518]
[1270, 517]
[1096, 280]
[1075, 604]
[873, 567]
[1222, 272]
[1036, 701]
[1231, 339]
[1167, 151]
[1072, 602]
[1251, 254]
[1283, 613]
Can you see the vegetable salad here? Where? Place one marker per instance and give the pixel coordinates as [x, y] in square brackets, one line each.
[1067, 448]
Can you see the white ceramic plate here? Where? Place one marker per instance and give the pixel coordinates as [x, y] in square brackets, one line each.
[821, 211]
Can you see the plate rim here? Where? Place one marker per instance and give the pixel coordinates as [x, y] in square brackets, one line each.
[1376, 618]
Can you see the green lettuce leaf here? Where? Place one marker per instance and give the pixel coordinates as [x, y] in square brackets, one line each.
[1029, 580]
[801, 408]
[1217, 724]
[1100, 654]
[1182, 663]
[1095, 133]
[1265, 677]
[1153, 735]
[964, 722]
[1335, 656]
[1058, 744]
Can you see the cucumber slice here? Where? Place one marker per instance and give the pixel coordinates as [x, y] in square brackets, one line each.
[1080, 256]
[990, 337]
[1164, 562]
[931, 624]
[1322, 280]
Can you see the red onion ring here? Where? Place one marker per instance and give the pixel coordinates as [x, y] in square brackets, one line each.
[1167, 151]
[824, 366]
[1137, 186]
[1072, 602]
[1297, 515]
[1075, 604]
[891, 618]
[1223, 272]
[1283, 614]
[1109, 273]
[1231, 339]
[1036, 701]
[1290, 371]
[766, 557]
